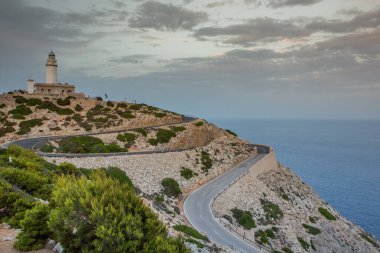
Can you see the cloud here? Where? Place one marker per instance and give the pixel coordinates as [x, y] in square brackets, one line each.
[282, 3]
[166, 17]
[370, 19]
[255, 30]
[133, 59]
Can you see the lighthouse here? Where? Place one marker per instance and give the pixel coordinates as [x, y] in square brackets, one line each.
[51, 69]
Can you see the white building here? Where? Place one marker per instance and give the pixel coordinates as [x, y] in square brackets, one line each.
[51, 86]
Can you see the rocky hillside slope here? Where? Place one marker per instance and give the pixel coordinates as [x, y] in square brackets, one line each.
[23, 115]
[289, 215]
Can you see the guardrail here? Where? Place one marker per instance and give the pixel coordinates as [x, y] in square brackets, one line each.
[261, 149]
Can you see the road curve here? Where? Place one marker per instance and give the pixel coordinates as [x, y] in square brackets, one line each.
[34, 143]
[197, 207]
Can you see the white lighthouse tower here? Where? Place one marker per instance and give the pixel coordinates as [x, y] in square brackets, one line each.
[51, 69]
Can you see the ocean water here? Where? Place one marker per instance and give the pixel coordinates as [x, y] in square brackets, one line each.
[339, 159]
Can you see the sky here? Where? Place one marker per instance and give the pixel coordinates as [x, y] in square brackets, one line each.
[302, 59]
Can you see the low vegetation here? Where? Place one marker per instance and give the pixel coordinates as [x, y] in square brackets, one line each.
[78, 108]
[198, 124]
[262, 236]
[369, 239]
[326, 213]
[206, 161]
[27, 125]
[170, 187]
[162, 136]
[244, 218]
[141, 131]
[128, 138]
[50, 106]
[87, 144]
[311, 230]
[84, 206]
[186, 173]
[272, 211]
[22, 110]
[230, 132]
[191, 232]
[305, 245]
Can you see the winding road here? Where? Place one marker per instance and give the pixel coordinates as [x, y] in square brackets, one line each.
[198, 206]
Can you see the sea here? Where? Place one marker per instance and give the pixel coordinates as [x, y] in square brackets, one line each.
[339, 159]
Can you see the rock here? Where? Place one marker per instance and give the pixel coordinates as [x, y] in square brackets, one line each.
[58, 248]
[7, 238]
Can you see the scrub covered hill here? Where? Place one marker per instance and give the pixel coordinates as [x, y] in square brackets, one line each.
[86, 211]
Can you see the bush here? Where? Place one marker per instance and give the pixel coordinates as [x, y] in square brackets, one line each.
[118, 174]
[206, 161]
[126, 137]
[141, 131]
[33, 101]
[186, 173]
[127, 115]
[153, 142]
[110, 104]
[99, 98]
[303, 243]
[178, 129]
[2, 105]
[198, 124]
[63, 102]
[261, 237]
[32, 182]
[50, 106]
[6, 130]
[230, 132]
[136, 107]
[170, 187]
[47, 148]
[369, 239]
[198, 244]
[77, 117]
[162, 136]
[287, 250]
[244, 218]
[27, 125]
[311, 230]
[85, 126]
[326, 213]
[35, 231]
[20, 99]
[101, 214]
[78, 108]
[312, 219]
[87, 144]
[21, 110]
[159, 115]
[272, 210]
[191, 232]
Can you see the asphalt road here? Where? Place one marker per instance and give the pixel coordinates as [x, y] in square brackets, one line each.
[197, 207]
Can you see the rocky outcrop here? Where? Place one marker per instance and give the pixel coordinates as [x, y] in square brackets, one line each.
[301, 227]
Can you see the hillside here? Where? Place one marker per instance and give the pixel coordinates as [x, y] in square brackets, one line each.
[269, 205]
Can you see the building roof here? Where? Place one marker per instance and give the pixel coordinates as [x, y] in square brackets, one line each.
[55, 85]
[52, 53]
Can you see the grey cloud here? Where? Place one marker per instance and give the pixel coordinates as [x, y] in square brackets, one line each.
[133, 59]
[369, 19]
[259, 29]
[281, 3]
[166, 17]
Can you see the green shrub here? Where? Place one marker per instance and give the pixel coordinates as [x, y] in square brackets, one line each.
[87, 144]
[126, 137]
[35, 231]
[177, 129]
[17, 116]
[21, 110]
[6, 130]
[287, 250]
[20, 99]
[191, 232]
[85, 126]
[153, 142]
[159, 115]
[33, 101]
[311, 230]
[272, 211]
[110, 104]
[2, 106]
[186, 173]
[230, 132]
[107, 217]
[198, 244]
[369, 239]
[47, 148]
[326, 213]
[142, 131]
[77, 117]
[206, 161]
[136, 107]
[312, 245]
[244, 218]
[122, 105]
[63, 102]
[170, 187]
[163, 136]
[303, 243]
[312, 219]
[118, 174]
[78, 108]
[285, 196]
[127, 115]
[27, 125]
[50, 106]
[198, 124]
[261, 237]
